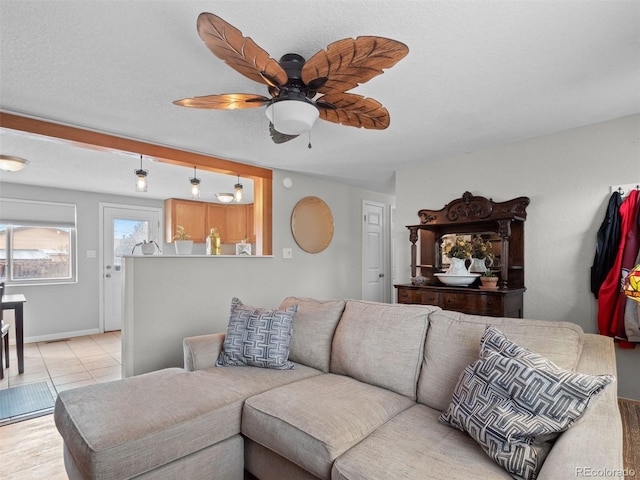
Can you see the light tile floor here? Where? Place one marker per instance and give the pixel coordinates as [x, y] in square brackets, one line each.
[67, 363]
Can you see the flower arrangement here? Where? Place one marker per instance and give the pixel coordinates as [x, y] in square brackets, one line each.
[181, 234]
[488, 274]
[480, 248]
[458, 248]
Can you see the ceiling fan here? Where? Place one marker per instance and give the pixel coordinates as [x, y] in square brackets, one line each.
[301, 91]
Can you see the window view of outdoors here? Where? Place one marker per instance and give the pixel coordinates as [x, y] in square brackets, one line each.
[36, 253]
[126, 235]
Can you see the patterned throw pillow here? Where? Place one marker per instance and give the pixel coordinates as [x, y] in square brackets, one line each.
[515, 403]
[257, 337]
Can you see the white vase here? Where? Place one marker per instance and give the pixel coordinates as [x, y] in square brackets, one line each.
[148, 248]
[184, 247]
[479, 265]
[458, 266]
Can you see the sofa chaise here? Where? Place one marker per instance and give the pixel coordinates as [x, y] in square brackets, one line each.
[370, 396]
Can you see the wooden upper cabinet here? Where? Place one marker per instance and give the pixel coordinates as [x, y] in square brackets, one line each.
[233, 222]
[188, 214]
[251, 225]
[216, 218]
[236, 216]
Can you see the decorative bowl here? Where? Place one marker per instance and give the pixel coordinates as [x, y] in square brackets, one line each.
[457, 280]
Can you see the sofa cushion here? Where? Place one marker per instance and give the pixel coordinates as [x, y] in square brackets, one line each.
[515, 403]
[313, 421]
[313, 327]
[127, 427]
[453, 343]
[414, 445]
[257, 337]
[381, 344]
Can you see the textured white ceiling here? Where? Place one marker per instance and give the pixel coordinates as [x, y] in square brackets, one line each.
[478, 74]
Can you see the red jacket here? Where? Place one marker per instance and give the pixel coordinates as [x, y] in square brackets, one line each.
[611, 298]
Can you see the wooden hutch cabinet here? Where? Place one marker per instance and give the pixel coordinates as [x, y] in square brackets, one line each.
[501, 224]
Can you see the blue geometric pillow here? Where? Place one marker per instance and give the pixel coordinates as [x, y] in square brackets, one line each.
[257, 337]
[515, 403]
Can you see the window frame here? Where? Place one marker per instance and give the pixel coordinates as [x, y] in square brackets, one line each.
[10, 225]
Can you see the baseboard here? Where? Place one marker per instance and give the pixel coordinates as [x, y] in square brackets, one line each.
[60, 336]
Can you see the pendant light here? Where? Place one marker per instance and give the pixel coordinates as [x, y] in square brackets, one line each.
[195, 185]
[237, 196]
[141, 178]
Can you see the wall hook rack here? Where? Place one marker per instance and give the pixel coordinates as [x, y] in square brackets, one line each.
[626, 189]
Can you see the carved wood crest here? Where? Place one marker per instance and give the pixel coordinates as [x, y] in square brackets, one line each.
[471, 208]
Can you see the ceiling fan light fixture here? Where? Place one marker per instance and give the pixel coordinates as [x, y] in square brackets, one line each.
[225, 197]
[9, 163]
[292, 117]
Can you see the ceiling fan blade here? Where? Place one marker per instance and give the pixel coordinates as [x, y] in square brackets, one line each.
[348, 62]
[239, 52]
[278, 137]
[228, 101]
[353, 110]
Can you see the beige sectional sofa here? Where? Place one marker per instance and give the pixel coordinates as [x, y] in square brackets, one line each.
[370, 383]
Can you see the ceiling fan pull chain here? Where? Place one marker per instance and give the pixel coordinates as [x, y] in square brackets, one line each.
[309, 139]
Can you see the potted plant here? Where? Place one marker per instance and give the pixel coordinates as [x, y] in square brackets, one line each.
[184, 246]
[147, 247]
[489, 280]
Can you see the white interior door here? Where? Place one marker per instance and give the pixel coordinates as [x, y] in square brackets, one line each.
[123, 227]
[373, 287]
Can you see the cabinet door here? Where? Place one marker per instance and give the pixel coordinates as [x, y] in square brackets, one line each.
[188, 214]
[236, 217]
[251, 227]
[216, 218]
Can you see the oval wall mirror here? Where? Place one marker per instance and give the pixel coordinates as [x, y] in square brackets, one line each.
[312, 224]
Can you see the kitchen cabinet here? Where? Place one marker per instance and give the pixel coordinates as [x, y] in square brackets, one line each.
[236, 223]
[233, 222]
[187, 213]
[216, 218]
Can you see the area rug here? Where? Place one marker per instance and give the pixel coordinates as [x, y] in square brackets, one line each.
[25, 401]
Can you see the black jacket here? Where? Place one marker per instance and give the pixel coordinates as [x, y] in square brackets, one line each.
[607, 242]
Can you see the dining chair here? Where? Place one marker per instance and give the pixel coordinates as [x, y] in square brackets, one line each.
[4, 343]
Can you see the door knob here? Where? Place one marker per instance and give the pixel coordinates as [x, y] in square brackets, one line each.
[108, 275]
[381, 275]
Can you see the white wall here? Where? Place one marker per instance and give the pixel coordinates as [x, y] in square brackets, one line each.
[567, 177]
[167, 299]
[66, 310]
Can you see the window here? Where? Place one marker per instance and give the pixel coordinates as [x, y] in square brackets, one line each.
[37, 242]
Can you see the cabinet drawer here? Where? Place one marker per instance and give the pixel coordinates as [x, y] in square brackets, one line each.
[472, 304]
[408, 296]
[419, 297]
[429, 298]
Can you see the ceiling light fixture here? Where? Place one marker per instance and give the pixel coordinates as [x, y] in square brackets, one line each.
[292, 117]
[9, 163]
[141, 178]
[237, 196]
[225, 197]
[195, 185]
